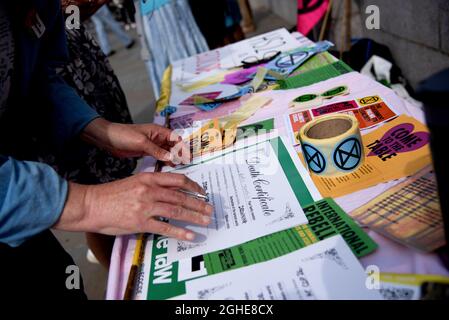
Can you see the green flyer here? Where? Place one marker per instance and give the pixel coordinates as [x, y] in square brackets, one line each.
[326, 219]
[254, 128]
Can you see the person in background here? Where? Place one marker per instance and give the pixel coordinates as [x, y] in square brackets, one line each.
[35, 100]
[220, 23]
[233, 18]
[127, 12]
[169, 33]
[104, 18]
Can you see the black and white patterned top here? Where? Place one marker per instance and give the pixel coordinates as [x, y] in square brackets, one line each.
[88, 71]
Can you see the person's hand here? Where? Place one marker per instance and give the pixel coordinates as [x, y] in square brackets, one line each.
[134, 205]
[136, 140]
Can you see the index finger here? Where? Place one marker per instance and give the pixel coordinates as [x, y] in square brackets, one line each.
[168, 179]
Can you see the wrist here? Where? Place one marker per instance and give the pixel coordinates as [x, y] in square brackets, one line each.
[96, 133]
[75, 212]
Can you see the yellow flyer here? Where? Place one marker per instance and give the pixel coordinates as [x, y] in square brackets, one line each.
[398, 149]
[396, 286]
[207, 139]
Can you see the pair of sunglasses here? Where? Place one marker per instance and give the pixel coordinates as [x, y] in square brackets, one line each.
[314, 99]
[252, 61]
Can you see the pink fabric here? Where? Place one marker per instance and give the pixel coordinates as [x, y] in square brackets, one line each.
[121, 259]
[308, 20]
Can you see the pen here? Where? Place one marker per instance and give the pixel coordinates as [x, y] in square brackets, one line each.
[194, 194]
[139, 251]
[135, 266]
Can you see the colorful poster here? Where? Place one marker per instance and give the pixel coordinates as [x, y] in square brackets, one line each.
[368, 116]
[408, 213]
[295, 121]
[372, 115]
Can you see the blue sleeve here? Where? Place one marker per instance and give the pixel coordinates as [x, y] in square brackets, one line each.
[32, 197]
[70, 113]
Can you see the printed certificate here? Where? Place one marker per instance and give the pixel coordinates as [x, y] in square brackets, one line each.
[255, 190]
[325, 270]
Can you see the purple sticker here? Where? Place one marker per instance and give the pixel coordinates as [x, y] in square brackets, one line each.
[207, 95]
[401, 138]
[240, 76]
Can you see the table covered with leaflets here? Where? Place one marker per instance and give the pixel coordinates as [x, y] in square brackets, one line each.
[299, 214]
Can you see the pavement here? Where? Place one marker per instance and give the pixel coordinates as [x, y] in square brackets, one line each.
[133, 77]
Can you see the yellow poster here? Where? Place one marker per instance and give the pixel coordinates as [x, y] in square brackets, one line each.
[398, 149]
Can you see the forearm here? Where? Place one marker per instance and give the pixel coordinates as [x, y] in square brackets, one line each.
[119, 139]
[70, 113]
[98, 133]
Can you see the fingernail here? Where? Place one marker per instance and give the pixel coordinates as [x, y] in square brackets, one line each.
[206, 219]
[190, 236]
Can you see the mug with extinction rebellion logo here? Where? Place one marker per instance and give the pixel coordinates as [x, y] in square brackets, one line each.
[332, 145]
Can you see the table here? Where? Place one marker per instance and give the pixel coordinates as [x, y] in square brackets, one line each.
[389, 257]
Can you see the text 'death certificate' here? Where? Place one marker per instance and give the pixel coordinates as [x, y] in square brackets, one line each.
[254, 190]
[324, 270]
